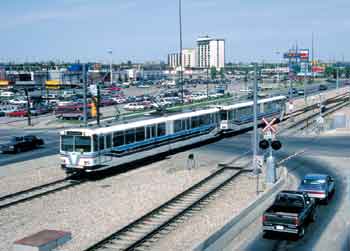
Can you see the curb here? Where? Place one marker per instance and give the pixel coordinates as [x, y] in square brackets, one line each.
[222, 237]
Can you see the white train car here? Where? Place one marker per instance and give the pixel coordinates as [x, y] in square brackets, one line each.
[93, 149]
[240, 116]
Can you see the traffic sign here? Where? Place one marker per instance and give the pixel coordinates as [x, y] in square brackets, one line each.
[269, 125]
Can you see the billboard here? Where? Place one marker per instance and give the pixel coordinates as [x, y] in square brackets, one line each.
[291, 54]
[304, 55]
[318, 69]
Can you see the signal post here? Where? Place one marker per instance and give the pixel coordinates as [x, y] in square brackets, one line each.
[270, 142]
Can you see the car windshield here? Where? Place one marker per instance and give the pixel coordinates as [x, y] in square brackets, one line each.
[313, 181]
[16, 139]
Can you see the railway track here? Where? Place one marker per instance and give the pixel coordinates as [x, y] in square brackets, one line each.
[37, 192]
[143, 231]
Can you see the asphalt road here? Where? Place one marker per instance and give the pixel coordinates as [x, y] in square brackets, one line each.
[51, 146]
[331, 230]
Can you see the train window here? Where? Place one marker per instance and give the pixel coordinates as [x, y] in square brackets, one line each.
[140, 134]
[102, 142]
[194, 122]
[223, 115]
[230, 115]
[95, 142]
[108, 140]
[82, 144]
[153, 131]
[205, 119]
[129, 136]
[177, 125]
[187, 124]
[118, 138]
[67, 143]
[161, 129]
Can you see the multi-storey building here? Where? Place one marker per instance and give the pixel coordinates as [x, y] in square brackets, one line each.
[210, 52]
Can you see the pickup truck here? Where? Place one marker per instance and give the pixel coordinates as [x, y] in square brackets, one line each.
[290, 213]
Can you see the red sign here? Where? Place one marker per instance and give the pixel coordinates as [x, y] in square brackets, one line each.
[269, 125]
[318, 69]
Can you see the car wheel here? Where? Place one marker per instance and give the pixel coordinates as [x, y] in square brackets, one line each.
[18, 150]
[301, 232]
[314, 216]
[326, 200]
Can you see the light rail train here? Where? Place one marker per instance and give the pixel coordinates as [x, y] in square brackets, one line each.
[100, 148]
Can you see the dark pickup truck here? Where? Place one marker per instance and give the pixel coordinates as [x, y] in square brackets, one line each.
[289, 213]
[19, 144]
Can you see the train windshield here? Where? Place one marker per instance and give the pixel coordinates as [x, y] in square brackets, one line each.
[82, 144]
[76, 143]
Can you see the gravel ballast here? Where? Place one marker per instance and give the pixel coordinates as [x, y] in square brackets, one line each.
[94, 210]
[23, 175]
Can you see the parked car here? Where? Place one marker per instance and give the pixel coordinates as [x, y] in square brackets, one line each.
[17, 102]
[19, 144]
[18, 113]
[289, 213]
[318, 186]
[322, 87]
[300, 92]
[134, 107]
[119, 100]
[7, 94]
[39, 111]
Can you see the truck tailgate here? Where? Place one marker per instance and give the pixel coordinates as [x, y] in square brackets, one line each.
[281, 218]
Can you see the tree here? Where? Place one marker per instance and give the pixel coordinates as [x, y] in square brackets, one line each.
[328, 71]
[213, 72]
[347, 72]
[222, 73]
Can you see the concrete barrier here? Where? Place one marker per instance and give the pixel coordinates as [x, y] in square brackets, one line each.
[222, 237]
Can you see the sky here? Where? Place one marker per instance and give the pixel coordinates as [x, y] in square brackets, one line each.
[140, 30]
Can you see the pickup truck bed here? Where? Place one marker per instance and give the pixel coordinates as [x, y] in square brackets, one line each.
[289, 213]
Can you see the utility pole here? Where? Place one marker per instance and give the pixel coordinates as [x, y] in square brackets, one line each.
[305, 82]
[98, 103]
[111, 66]
[337, 81]
[255, 133]
[312, 56]
[28, 107]
[180, 54]
[84, 95]
[207, 83]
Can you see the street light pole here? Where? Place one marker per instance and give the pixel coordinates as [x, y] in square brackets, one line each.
[255, 133]
[305, 82]
[111, 66]
[85, 95]
[180, 54]
[337, 81]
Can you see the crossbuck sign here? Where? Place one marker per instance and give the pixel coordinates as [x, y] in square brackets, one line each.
[269, 126]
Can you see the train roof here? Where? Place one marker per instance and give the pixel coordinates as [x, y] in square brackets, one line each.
[145, 121]
[140, 123]
[249, 103]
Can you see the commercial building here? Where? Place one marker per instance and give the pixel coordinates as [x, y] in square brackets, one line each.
[188, 59]
[173, 60]
[210, 52]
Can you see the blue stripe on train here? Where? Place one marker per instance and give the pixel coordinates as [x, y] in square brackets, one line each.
[161, 138]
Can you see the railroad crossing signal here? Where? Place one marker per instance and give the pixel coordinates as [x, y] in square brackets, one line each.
[269, 125]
